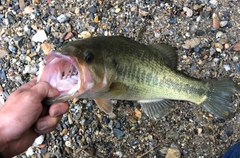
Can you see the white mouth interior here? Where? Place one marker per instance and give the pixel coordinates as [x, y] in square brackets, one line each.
[62, 74]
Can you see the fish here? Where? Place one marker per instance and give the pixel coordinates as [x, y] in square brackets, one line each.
[116, 67]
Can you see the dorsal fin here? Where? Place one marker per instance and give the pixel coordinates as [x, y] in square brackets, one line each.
[168, 54]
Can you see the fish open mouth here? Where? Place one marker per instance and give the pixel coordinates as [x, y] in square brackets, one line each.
[61, 72]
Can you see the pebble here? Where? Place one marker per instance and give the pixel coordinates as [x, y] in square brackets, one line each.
[223, 23]
[29, 151]
[68, 143]
[216, 22]
[62, 18]
[70, 121]
[28, 10]
[40, 36]
[46, 48]
[188, 11]
[119, 154]
[237, 46]
[172, 135]
[12, 49]
[118, 132]
[85, 34]
[226, 67]
[3, 52]
[226, 46]
[173, 153]
[39, 140]
[30, 69]
[191, 43]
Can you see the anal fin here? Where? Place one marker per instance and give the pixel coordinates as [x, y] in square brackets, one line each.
[104, 104]
[156, 108]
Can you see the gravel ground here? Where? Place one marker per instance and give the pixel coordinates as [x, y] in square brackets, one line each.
[205, 34]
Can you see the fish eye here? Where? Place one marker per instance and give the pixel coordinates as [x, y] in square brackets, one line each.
[88, 56]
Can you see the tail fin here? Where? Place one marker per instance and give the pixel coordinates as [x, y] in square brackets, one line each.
[219, 97]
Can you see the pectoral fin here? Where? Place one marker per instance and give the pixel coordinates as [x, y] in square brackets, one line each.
[156, 108]
[104, 104]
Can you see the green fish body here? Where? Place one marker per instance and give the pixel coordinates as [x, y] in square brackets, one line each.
[123, 69]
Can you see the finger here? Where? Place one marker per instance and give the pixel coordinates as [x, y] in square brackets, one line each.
[44, 90]
[47, 124]
[26, 86]
[58, 109]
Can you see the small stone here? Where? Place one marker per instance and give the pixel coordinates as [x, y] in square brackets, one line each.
[142, 12]
[172, 135]
[30, 69]
[28, 10]
[21, 4]
[191, 43]
[40, 36]
[213, 3]
[39, 140]
[227, 67]
[237, 46]
[235, 59]
[18, 40]
[70, 121]
[216, 22]
[68, 143]
[96, 19]
[173, 153]
[218, 45]
[64, 132]
[85, 34]
[119, 154]
[3, 52]
[223, 23]
[219, 34]
[199, 131]
[12, 49]
[196, 7]
[138, 113]
[117, 10]
[46, 48]
[188, 11]
[62, 18]
[118, 132]
[226, 46]
[37, 1]
[69, 35]
[29, 152]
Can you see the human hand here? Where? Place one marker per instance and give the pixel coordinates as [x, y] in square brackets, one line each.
[24, 118]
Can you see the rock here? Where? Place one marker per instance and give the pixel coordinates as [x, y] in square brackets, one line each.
[39, 140]
[216, 22]
[29, 152]
[118, 132]
[12, 49]
[40, 36]
[223, 23]
[188, 11]
[69, 35]
[28, 10]
[62, 18]
[226, 67]
[237, 46]
[117, 10]
[18, 40]
[85, 34]
[30, 69]
[172, 135]
[3, 52]
[173, 153]
[46, 48]
[191, 43]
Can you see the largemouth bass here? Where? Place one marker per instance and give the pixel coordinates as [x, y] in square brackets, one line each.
[104, 68]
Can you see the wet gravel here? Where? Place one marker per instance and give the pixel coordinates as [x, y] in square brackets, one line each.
[205, 34]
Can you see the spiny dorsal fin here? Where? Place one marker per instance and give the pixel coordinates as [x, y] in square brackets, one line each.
[104, 104]
[156, 108]
[168, 54]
